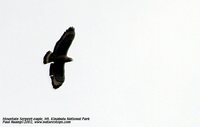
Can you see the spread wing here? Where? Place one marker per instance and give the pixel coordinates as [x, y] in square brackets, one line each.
[57, 74]
[64, 42]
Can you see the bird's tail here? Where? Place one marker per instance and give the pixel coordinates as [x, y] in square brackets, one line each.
[48, 57]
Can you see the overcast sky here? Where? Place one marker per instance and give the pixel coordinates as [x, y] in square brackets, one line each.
[136, 62]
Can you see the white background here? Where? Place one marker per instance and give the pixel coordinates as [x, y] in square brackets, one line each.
[136, 62]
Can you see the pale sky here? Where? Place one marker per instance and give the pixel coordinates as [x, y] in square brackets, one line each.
[136, 62]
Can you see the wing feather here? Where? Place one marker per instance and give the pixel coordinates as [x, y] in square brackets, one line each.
[57, 74]
[63, 44]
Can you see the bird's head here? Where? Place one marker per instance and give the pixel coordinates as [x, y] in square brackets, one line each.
[69, 59]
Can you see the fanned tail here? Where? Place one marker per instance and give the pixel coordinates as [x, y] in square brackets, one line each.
[48, 57]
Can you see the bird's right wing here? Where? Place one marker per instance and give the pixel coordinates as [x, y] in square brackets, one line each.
[64, 42]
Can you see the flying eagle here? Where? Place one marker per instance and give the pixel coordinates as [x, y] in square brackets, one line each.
[58, 57]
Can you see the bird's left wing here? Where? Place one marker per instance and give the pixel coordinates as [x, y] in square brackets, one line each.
[57, 74]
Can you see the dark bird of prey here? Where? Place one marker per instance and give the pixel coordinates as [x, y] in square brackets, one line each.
[59, 57]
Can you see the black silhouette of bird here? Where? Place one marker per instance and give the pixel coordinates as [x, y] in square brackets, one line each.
[59, 57]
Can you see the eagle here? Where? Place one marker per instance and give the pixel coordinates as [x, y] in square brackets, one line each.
[59, 57]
